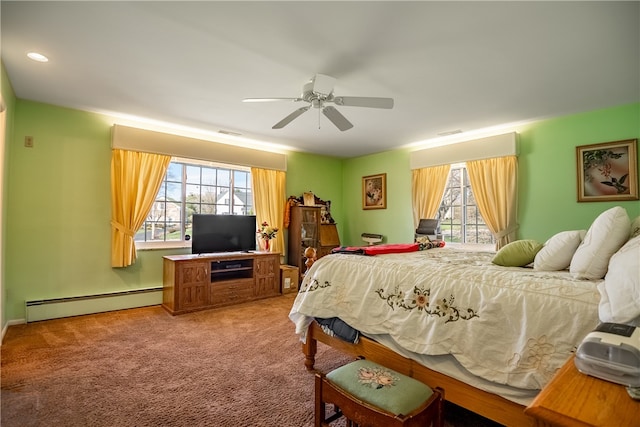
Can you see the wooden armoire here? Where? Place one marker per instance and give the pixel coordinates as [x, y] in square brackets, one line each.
[307, 230]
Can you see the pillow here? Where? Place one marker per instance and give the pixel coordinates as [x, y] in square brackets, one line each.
[557, 252]
[620, 291]
[635, 227]
[517, 254]
[607, 234]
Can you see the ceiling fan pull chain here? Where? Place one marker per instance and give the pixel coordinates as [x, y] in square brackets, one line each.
[318, 118]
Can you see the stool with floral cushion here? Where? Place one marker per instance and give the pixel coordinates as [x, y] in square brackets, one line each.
[368, 395]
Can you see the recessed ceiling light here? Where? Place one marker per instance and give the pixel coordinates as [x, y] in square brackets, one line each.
[37, 57]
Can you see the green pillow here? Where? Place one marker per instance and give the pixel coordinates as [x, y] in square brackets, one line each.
[517, 254]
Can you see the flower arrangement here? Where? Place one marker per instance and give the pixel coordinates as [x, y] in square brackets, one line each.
[267, 232]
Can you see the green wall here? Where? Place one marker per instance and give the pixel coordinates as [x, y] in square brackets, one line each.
[57, 208]
[319, 174]
[546, 182]
[396, 221]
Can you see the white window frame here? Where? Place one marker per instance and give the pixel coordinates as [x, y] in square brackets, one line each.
[463, 205]
[171, 244]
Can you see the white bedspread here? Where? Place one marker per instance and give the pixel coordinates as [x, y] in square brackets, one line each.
[509, 325]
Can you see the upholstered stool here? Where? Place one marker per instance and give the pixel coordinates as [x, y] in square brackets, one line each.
[369, 395]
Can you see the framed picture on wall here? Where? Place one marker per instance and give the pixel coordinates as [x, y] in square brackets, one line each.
[608, 171]
[374, 191]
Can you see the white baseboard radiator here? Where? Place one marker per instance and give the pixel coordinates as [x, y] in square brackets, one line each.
[89, 304]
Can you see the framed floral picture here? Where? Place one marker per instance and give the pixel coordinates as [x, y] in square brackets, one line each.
[374, 191]
[608, 171]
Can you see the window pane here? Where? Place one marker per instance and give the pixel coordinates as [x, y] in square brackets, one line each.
[222, 195]
[174, 172]
[224, 177]
[174, 191]
[193, 174]
[208, 194]
[208, 176]
[208, 209]
[239, 179]
[193, 193]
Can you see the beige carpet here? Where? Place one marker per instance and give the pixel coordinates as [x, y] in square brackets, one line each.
[235, 366]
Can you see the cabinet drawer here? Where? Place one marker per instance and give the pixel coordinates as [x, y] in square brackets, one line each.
[220, 293]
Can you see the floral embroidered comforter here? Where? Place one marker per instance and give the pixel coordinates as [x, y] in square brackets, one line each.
[509, 325]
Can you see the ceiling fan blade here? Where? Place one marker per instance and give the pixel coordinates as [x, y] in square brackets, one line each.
[363, 101]
[271, 99]
[282, 123]
[337, 118]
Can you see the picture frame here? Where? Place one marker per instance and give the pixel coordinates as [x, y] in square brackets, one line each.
[374, 191]
[607, 171]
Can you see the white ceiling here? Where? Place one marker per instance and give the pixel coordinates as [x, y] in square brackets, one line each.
[448, 65]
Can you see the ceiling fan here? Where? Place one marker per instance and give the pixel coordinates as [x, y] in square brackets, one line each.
[318, 92]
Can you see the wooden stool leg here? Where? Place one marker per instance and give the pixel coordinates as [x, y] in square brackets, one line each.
[320, 406]
[439, 420]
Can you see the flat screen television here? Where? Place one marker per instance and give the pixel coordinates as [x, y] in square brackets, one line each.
[223, 233]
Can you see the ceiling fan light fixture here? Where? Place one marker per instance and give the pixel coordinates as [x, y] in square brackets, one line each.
[322, 84]
[318, 92]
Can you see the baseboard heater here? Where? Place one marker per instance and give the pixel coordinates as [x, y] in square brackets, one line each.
[89, 304]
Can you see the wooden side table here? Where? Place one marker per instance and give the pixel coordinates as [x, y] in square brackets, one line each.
[574, 399]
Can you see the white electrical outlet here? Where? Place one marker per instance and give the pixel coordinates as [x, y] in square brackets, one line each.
[287, 283]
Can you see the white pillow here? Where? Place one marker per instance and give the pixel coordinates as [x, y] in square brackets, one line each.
[607, 234]
[620, 291]
[557, 252]
[635, 227]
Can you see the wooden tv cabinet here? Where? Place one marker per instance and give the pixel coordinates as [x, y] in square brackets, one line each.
[198, 282]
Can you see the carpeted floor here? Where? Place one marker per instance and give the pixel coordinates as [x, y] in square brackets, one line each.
[234, 366]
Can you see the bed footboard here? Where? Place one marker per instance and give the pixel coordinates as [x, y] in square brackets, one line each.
[481, 402]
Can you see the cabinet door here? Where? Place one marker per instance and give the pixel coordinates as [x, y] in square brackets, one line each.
[194, 280]
[267, 275]
[304, 232]
[309, 232]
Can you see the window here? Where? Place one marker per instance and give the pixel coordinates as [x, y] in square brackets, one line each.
[192, 187]
[460, 219]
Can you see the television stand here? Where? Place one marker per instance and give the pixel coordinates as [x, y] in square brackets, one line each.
[202, 281]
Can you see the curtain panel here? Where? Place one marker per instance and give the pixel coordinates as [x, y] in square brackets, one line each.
[269, 199]
[135, 181]
[427, 189]
[495, 187]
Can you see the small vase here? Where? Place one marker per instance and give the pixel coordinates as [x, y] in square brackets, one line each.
[267, 247]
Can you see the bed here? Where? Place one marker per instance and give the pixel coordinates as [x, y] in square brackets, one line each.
[490, 336]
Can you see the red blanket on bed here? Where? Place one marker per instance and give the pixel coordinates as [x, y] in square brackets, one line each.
[389, 248]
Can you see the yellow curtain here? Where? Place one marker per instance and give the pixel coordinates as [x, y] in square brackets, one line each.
[427, 189]
[495, 187]
[135, 180]
[269, 201]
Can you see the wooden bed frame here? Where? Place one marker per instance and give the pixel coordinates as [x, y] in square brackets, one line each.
[479, 401]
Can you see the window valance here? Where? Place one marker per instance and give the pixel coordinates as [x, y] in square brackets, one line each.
[147, 141]
[477, 149]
